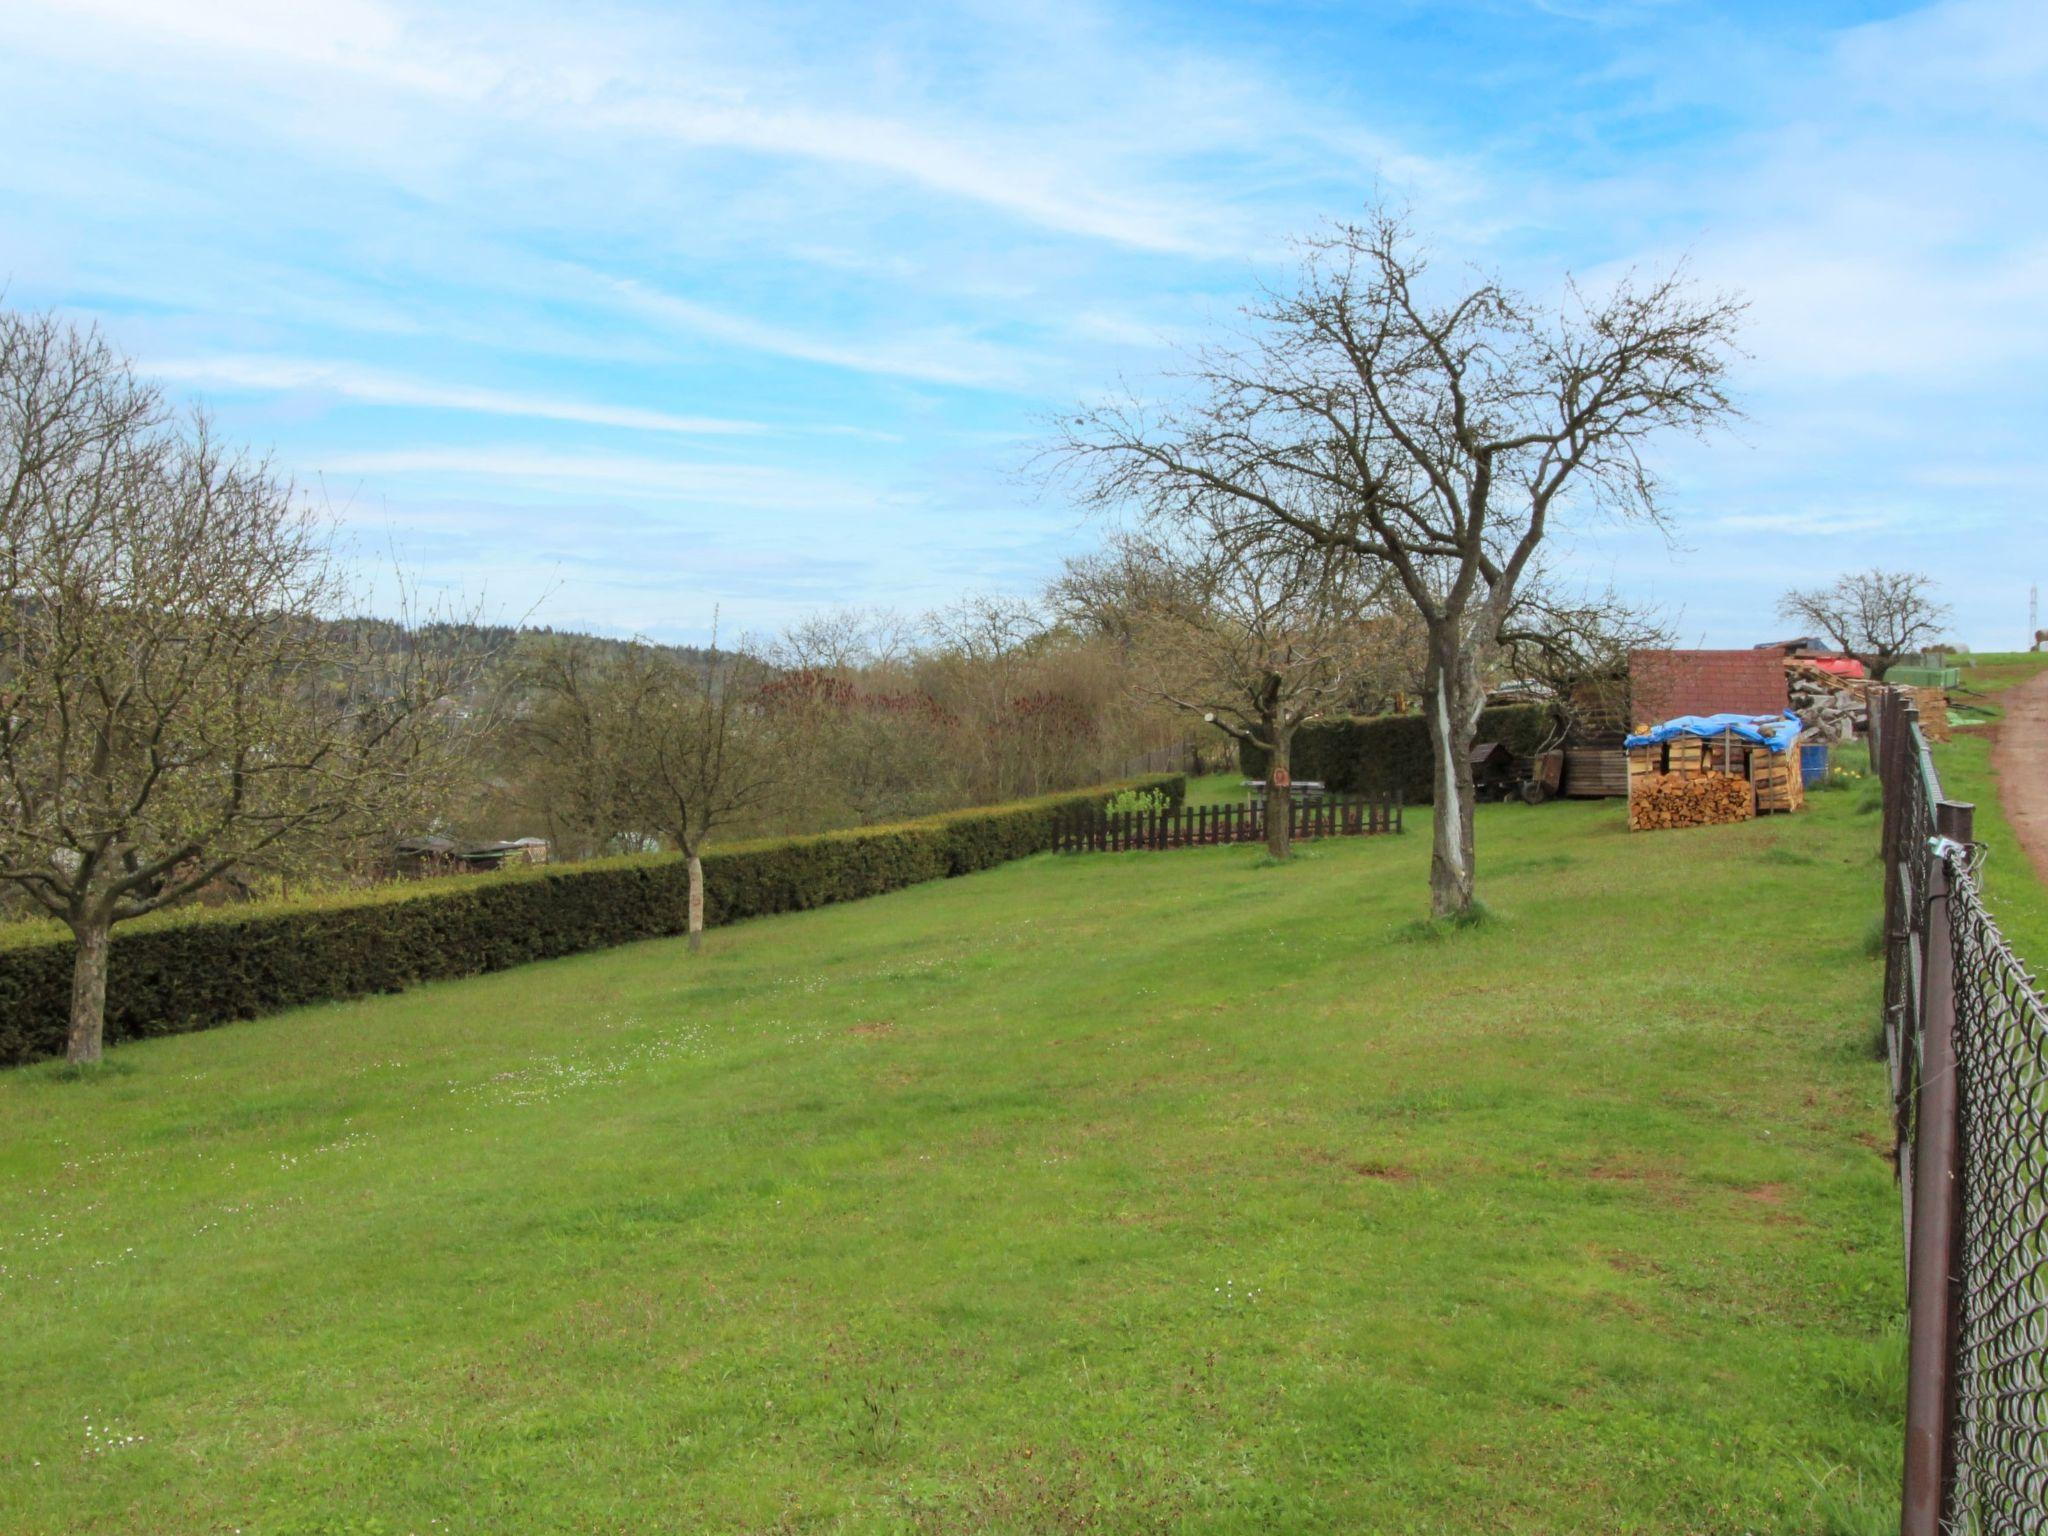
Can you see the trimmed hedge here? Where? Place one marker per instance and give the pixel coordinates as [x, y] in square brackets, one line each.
[193, 969]
[1390, 754]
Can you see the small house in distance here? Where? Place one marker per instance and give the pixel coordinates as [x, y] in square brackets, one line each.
[415, 858]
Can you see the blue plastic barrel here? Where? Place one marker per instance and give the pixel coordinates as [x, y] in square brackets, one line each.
[1813, 763]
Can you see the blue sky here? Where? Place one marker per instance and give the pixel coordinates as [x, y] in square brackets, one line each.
[630, 312]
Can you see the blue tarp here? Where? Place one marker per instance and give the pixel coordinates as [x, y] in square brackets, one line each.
[1758, 730]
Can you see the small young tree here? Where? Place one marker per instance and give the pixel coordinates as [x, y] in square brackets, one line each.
[696, 751]
[1876, 616]
[1443, 436]
[1255, 636]
[173, 700]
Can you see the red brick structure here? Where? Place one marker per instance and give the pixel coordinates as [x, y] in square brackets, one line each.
[1663, 684]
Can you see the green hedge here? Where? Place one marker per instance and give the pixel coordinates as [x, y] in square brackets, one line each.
[1390, 754]
[193, 969]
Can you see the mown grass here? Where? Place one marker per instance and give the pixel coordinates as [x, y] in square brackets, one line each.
[1216, 789]
[1146, 1192]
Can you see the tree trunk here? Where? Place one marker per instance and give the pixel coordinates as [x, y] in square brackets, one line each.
[696, 903]
[1279, 798]
[88, 990]
[1451, 705]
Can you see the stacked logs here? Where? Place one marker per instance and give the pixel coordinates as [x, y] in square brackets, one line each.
[1663, 801]
[1776, 777]
[1833, 707]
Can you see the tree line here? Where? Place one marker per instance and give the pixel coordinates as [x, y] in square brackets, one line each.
[1346, 506]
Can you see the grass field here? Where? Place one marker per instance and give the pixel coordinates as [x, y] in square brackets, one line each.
[1142, 1192]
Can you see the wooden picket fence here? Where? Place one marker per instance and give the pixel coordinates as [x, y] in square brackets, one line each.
[1200, 826]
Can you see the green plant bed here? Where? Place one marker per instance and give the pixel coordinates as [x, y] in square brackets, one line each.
[1169, 1192]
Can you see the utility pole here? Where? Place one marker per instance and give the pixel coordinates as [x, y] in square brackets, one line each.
[2034, 617]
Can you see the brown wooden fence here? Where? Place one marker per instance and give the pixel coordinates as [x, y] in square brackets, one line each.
[1199, 826]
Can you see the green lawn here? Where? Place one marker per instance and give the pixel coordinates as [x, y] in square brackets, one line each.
[1143, 1192]
[1217, 789]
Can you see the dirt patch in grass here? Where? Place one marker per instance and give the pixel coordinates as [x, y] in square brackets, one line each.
[1370, 1168]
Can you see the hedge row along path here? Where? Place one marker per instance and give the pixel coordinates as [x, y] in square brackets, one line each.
[180, 971]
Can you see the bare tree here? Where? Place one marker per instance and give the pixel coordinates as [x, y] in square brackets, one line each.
[1444, 436]
[1256, 636]
[843, 640]
[566, 740]
[1876, 616]
[696, 750]
[1574, 648]
[173, 700]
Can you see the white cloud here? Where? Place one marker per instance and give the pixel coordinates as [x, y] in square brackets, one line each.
[940, 359]
[1815, 524]
[752, 486]
[1079, 143]
[372, 387]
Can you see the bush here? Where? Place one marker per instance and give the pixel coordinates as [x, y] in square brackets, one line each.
[1390, 754]
[192, 969]
[1142, 802]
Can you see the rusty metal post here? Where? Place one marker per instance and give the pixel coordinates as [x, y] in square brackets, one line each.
[1930, 1293]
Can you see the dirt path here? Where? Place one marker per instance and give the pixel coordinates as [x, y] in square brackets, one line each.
[2019, 757]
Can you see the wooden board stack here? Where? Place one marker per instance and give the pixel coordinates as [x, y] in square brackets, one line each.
[1659, 802]
[1779, 784]
[1643, 763]
[1686, 758]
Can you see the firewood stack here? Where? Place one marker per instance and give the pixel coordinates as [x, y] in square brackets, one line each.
[1933, 704]
[1690, 782]
[1833, 708]
[1776, 777]
[1663, 801]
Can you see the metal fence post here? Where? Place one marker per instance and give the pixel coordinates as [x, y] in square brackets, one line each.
[1930, 1296]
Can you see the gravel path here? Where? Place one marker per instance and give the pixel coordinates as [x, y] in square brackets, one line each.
[2019, 757]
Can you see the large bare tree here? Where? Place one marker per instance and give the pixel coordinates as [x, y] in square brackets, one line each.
[1443, 430]
[174, 703]
[1877, 616]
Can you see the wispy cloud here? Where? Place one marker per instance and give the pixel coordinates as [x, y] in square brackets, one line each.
[1811, 524]
[371, 387]
[941, 359]
[683, 482]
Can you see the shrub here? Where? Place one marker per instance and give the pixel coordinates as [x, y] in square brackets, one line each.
[1390, 754]
[1143, 802]
[192, 969]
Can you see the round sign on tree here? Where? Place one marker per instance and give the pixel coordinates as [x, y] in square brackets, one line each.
[1282, 778]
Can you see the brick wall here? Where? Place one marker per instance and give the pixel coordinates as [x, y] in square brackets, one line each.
[1667, 683]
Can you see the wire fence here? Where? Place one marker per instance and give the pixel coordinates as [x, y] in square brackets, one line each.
[1966, 1033]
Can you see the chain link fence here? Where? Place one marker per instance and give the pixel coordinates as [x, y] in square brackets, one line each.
[1966, 1032]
